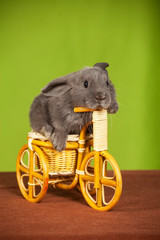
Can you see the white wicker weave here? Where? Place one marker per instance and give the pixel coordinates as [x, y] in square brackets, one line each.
[71, 137]
[100, 130]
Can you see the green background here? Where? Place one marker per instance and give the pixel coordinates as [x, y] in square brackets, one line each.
[42, 40]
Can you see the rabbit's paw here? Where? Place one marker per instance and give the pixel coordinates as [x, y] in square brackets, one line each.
[59, 139]
[47, 131]
[113, 108]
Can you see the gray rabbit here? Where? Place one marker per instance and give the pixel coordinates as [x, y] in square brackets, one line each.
[52, 112]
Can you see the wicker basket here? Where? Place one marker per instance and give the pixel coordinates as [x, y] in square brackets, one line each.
[60, 163]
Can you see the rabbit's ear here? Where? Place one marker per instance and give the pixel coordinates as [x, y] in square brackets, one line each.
[57, 87]
[101, 65]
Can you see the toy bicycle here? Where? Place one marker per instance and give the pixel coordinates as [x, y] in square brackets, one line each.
[84, 163]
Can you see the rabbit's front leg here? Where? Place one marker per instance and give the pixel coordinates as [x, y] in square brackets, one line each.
[59, 139]
[113, 108]
[47, 131]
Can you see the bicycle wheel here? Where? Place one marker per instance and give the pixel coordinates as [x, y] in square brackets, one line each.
[109, 187]
[32, 173]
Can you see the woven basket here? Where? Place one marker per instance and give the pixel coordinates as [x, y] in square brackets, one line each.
[59, 163]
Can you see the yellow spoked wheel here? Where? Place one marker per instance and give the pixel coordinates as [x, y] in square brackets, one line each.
[105, 179]
[32, 173]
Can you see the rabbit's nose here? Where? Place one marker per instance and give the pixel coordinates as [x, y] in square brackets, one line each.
[100, 96]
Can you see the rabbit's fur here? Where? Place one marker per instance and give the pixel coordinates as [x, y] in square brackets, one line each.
[52, 112]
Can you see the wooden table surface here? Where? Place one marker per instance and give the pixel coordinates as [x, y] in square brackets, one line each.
[65, 214]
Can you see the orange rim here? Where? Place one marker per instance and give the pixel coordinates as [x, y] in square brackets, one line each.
[99, 202]
[32, 174]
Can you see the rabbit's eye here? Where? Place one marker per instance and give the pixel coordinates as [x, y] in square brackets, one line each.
[86, 84]
[107, 83]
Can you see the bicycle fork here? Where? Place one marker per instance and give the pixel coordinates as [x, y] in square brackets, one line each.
[99, 144]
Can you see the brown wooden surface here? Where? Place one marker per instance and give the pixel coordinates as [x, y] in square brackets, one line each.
[66, 215]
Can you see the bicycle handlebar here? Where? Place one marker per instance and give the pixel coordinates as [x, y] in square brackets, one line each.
[83, 109]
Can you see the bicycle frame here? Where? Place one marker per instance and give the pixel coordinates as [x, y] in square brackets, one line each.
[84, 174]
